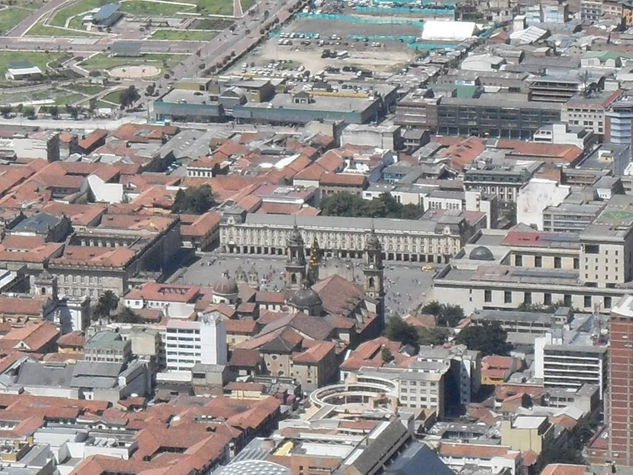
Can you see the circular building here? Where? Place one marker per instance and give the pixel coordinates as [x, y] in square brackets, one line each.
[481, 253]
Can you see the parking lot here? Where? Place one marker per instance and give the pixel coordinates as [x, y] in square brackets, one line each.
[406, 285]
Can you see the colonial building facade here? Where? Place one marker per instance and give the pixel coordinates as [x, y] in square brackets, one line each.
[428, 240]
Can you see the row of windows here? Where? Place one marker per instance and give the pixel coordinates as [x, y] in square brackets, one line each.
[538, 261]
[547, 299]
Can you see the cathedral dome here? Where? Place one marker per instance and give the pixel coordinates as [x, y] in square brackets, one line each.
[226, 285]
[305, 299]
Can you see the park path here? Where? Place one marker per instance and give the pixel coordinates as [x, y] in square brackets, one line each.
[237, 9]
[34, 17]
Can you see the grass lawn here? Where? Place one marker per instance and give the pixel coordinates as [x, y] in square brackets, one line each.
[102, 104]
[246, 4]
[135, 7]
[76, 23]
[75, 9]
[183, 35]
[88, 89]
[215, 7]
[31, 4]
[112, 96]
[212, 24]
[101, 61]
[38, 59]
[68, 99]
[40, 29]
[10, 17]
[23, 97]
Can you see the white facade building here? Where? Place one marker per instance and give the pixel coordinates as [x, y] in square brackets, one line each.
[569, 365]
[535, 196]
[188, 343]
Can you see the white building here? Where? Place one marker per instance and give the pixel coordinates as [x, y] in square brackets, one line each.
[562, 134]
[440, 30]
[188, 343]
[569, 365]
[386, 137]
[535, 196]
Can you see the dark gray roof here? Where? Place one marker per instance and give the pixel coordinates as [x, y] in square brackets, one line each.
[388, 438]
[33, 373]
[304, 299]
[39, 223]
[106, 11]
[97, 369]
[418, 459]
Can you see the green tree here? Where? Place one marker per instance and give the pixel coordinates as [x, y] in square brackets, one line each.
[489, 338]
[29, 111]
[386, 354]
[5, 110]
[107, 302]
[385, 206]
[432, 336]
[128, 97]
[193, 200]
[54, 110]
[74, 113]
[399, 330]
[127, 315]
[446, 315]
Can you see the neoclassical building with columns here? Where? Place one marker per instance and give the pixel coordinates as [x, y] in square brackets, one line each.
[435, 239]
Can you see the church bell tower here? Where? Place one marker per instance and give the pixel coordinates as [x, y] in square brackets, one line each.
[296, 262]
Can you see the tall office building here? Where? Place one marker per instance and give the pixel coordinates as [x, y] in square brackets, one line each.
[620, 410]
[188, 343]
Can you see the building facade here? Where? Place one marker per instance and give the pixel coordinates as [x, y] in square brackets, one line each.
[401, 240]
[620, 410]
[188, 343]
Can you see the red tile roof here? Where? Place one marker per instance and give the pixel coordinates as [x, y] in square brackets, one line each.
[246, 326]
[94, 256]
[343, 179]
[32, 337]
[71, 340]
[564, 469]
[315, 354]
[143, 133]
[32, 307]
[549, 153]
[92, 138]
[165, 292]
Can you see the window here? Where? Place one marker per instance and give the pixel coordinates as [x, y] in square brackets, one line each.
[527, 298]
[576, 263]
[518, 260]
[557, 263]
[547, 299]
[587, 301]
[538, 261]
[487, 296]
[567, 300]
[507, 297]
[607, 302]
